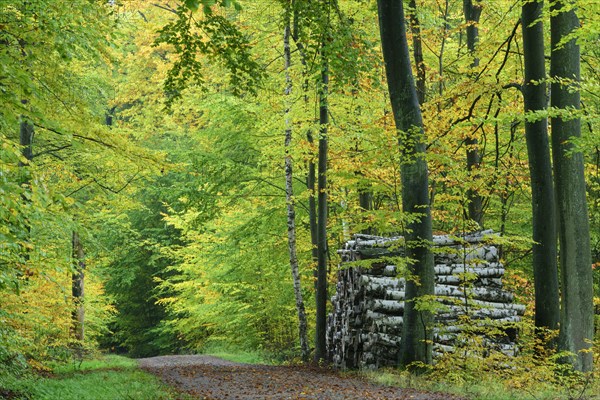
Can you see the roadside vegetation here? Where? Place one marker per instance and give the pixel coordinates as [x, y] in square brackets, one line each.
[106, 377]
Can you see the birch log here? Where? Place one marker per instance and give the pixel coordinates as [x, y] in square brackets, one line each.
[365, 326]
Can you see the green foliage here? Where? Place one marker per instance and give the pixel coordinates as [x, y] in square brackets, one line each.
[135, 265]
[103, 378]
[478, 373]
[208, 201]
[213, 36]
[236, 355]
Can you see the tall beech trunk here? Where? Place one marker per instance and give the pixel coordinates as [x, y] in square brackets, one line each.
[577, 312]
[289, 194]
[545, 268]
[77, 288]
[321, 295]
[417, 332]
[472, 11]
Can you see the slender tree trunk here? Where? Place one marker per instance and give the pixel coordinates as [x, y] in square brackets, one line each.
[365, 200]
[289, 192]
[77, 288]
[311, 174]
[26, 134]
[545, 268]
[577, 312]
[442, 49]
[415, 27]
[312, 208]
[472, 11]
[364, 187]
[417, 333]
[321, 296]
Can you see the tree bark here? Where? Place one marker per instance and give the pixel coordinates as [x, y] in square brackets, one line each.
[472, 11]
[545, 267]
[312, 208]
[577, 312]
[311, 174]
[321, 295]
[289, 192]
[26, 134]
[77, 288]
[415, 27]
[417, 329]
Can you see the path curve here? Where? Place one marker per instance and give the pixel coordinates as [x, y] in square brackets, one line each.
[207, 377]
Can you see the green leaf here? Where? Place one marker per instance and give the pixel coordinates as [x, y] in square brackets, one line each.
[192, 5]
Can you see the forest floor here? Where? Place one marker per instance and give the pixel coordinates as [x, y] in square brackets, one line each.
[208, 377]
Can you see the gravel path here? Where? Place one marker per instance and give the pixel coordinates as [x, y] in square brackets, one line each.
[207, 377]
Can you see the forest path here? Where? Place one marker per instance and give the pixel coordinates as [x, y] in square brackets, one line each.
[207, 377]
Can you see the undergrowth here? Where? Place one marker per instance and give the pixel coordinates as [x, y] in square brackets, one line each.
[107, 377]
[534, 375]
[237, 355]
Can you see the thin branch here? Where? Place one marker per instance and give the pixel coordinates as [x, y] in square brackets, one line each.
[506, 41]
[166, 8]
[116, 191]
[513, 85]
[51, 150]
[76, 136]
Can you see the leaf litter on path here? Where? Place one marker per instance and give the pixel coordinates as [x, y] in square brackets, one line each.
[207, 377]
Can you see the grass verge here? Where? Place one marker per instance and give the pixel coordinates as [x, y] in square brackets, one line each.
[487, 387]
[108, 377]
[236, 355]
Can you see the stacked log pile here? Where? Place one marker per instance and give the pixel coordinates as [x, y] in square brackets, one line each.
[365, 325]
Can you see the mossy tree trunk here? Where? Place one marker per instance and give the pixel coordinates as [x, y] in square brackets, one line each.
[577, 313]
[545, 268]
[417, 333]
[321, 295]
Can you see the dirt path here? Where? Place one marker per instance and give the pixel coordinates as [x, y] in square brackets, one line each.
[209, 377]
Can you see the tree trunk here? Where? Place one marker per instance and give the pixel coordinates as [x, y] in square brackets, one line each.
[77, 288]
[321, 296]
[577, 313]
[472, 13]
[417, 329]
[26, 134]
[311, 174]
[289, 192]
[312, 208]
[415, 28]
[545, 268]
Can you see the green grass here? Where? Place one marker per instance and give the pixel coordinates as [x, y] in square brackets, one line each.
[487, 388]
[109, 377]
[236, 355]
